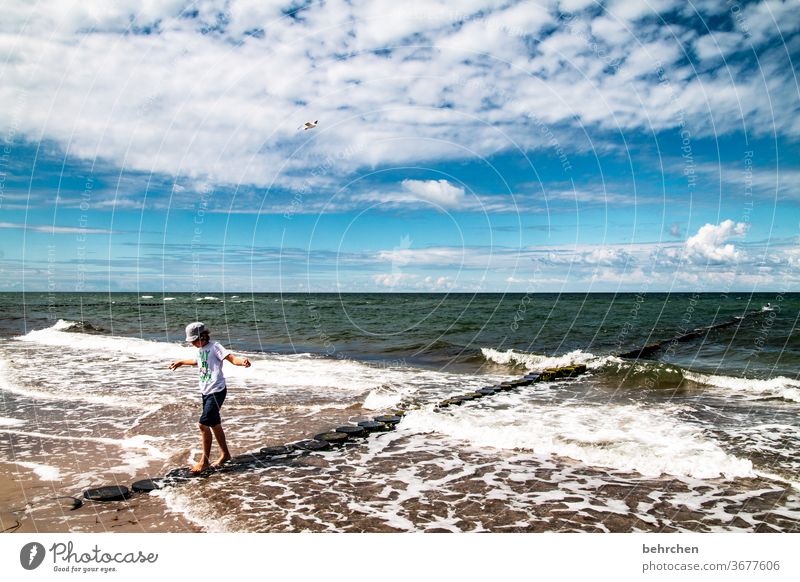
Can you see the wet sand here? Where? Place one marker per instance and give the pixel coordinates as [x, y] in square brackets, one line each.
[534, 498]
[31, 505]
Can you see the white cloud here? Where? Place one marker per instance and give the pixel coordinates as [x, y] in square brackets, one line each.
[575, 5]
[439, 192]
[762, 20]
[719, 45]
[636, 9]
[53, 229]
[410, 281]
[394, 279]
[604, 197]
[221, 93]
[709, 244]
[445, 196]
[434, 256]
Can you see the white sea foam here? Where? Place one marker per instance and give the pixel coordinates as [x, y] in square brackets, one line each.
[780, 387]
[647, 440]
[268, 373]
[147, 296]
[44, 472]
[538, 362]
[57, 336]
[10, 421]
[169, 299]
[194, 508]
[8, 385]
[382, 398]
[62, 325]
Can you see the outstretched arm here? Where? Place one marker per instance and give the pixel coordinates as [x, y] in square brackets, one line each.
[178, 363]
[238, 361]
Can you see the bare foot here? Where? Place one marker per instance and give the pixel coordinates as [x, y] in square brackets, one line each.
[223, 458]
[200, 467]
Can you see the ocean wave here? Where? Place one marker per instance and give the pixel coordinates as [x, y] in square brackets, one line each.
[128, 400]
[59, 335]
[646, 440]
[76, 326]
[386, 397]
[779, 387]
[538, 362]
[268, 374]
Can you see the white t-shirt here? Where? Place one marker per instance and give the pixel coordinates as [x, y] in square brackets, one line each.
[209, 361]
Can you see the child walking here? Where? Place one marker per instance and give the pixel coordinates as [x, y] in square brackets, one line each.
[210, 355]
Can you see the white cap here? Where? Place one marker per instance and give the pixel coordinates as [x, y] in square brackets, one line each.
[195, 330]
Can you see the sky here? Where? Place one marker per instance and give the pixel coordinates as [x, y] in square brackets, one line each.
[471, 146]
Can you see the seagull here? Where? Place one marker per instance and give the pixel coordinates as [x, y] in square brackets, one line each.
[309, 125]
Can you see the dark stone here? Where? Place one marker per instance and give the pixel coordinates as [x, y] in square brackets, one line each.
[352, 431]
[108, 493]
[312, 445]
[334, 438]
[69, 502]
[184, 474]
[388, 419]
[644, 352]
[372, 426]
[276, 451]
[146, 485]
[245, 459]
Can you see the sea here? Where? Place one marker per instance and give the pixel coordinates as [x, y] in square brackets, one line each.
[700, 433]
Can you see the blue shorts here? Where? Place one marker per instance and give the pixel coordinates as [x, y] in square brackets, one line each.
[211, 405]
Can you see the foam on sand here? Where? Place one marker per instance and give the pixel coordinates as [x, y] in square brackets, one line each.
[43, 472]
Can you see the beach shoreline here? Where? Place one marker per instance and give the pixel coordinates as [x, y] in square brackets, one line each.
[29, 504]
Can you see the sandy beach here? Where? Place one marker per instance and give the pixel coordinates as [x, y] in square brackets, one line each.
[31, 505]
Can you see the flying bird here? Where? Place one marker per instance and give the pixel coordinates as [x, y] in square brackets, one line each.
[308, 125]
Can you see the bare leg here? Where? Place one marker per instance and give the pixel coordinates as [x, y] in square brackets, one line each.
[225, 454]
[206, 435]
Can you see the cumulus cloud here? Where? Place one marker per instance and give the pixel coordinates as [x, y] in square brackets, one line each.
[709, 244]
[413, 281]
[394, 279]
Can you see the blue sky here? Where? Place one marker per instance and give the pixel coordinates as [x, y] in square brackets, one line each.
[572, 145]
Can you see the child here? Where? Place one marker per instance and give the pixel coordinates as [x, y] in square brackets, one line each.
[210, 356]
